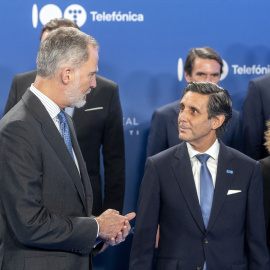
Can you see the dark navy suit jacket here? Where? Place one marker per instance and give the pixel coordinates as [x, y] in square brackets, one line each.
[164, 130]
[235, 235]
[256, 111]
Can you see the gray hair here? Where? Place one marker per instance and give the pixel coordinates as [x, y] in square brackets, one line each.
[219, 103]
[65, 46]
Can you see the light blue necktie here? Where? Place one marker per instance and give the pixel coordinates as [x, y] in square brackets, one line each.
[65, 131]
[206, 190]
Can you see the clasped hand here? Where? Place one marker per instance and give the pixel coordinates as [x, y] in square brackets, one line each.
[114, 228]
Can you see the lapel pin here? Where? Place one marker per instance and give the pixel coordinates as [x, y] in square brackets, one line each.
[229, 171]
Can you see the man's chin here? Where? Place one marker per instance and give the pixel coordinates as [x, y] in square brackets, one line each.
[80, 104]
[182, 137]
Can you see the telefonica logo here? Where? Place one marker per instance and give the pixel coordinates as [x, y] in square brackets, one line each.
[254, 69]
[236, 69]
[180, 70]
[78, 14]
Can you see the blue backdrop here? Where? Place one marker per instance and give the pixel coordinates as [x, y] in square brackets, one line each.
[142, 47]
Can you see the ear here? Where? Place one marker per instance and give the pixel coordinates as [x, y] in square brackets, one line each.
[217, 121]
[66, 75]
[187, 77]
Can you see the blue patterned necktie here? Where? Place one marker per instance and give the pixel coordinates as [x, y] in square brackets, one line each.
[206, 190]
[65, 131]
[66, 135]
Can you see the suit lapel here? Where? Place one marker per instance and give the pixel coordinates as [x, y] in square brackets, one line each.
[54, 138]
[183, 173]
[223, 182]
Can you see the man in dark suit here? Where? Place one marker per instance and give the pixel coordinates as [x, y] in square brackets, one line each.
[265, 168]
[210, 211]
[98, 124]
[46, 195]
[256, 111]
[202, 64]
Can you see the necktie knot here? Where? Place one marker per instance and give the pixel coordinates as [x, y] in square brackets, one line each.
[62, 117]
[203, 157]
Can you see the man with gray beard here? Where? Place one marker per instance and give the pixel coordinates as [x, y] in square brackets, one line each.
[46, 196]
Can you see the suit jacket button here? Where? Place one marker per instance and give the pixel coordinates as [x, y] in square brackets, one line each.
[205, 241]
[198, 268]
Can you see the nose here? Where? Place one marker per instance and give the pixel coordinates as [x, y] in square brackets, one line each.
[93, 82]
[209, 78]
[182, 117]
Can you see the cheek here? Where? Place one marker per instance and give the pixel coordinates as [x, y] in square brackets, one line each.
[86, 82]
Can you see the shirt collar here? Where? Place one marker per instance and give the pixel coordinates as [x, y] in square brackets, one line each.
[50, 106]
[213, 151]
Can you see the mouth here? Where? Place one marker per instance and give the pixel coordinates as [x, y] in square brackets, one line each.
[183, 129]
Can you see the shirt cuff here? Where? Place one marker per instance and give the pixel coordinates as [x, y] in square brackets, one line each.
[98, 240]
[97, 227]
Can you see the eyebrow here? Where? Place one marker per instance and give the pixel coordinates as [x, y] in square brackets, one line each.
[92, 73]
[200, 72]
[203, 73]
[190, 107]
[194, 108]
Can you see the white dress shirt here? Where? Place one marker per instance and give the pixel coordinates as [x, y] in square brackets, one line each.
[212, 163]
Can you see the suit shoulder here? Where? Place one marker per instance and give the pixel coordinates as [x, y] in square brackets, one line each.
[168, 109]
[103, 82]
[260, 83]
[165, 154]
[18, 114]
[235, 113]
[235, 119]
[30, 75]
[241, 156]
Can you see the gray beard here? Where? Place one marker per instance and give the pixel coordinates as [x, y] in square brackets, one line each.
[76, 99]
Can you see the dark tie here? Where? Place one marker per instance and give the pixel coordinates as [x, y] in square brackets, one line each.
[65, 131]
[206, 190]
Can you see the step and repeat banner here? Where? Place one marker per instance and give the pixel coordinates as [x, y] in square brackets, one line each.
[143, 45]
